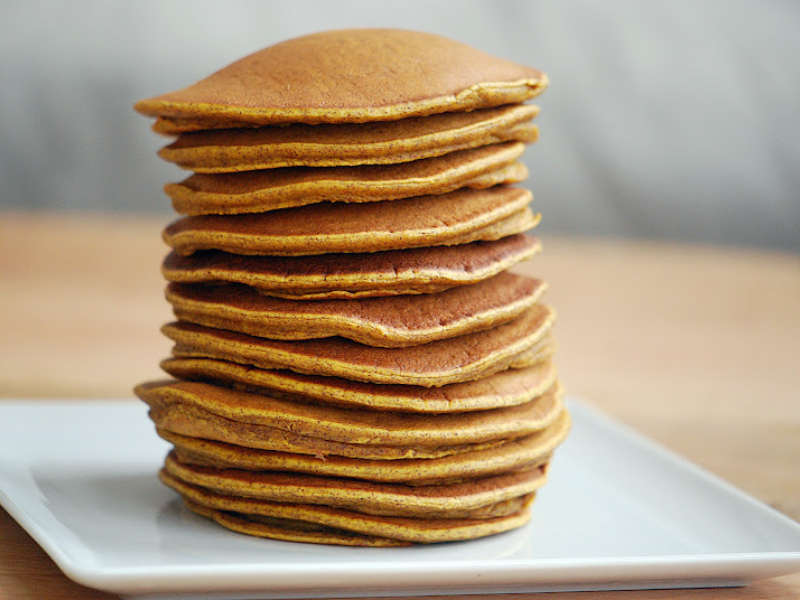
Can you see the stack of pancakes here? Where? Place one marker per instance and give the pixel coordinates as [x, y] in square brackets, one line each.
[353, 362]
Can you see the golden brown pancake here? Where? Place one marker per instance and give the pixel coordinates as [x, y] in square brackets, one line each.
[259, 507]
[314, 79]
[192, 421]
[390, 499]
[324, 525]
[542, 350]
[463, 358]
[288, 530]
[330, 276]
[271, 189]
[447, 219]
[518, 222]
[391, 322]
[511, 455]
[169, 126]
[355, 426]
[299, 145]
[506, 388]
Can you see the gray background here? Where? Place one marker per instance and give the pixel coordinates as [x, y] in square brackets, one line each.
[664, 119]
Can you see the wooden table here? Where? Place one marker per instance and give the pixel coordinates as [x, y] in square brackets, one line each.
[695, 346]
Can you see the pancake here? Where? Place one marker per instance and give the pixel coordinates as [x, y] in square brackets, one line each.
[169, 126]
[312, 79]
[265, 190]
[287, 530]
[542, 350]
[463, 358]
[447, 219]
[392, 322]
[511, 455]
[331, 276]
[192, 421]
[299, 145]
[507, 388]
[351, 426]
[518, 222]
[475, 497]
[334, 525]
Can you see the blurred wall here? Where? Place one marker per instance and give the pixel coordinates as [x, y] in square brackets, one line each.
[664, 119]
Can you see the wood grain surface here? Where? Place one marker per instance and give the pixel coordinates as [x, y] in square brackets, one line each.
[694, 346]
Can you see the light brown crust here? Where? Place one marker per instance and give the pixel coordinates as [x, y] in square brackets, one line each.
[265, 190]
[392, 322]
[342, 76]
[343, 276]
[456, 218]
[464, 358]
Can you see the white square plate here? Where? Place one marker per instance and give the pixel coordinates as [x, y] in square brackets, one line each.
[619, 512]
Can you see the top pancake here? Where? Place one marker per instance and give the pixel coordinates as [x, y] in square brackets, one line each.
[351, 76]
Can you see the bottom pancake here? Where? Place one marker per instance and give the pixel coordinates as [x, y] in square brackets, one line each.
[289, 531]
[331, 525]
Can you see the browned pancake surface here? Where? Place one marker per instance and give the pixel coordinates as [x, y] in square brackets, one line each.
[271, 189]
[354, 426]
[508, 456]
[412, 271]
[387, 322]
[329, 525]
[234, 150]
[464, 358]
[390, 499]
[287, 530]
[342, 76]
[328, 228]
[192, 421]
[506, 388]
